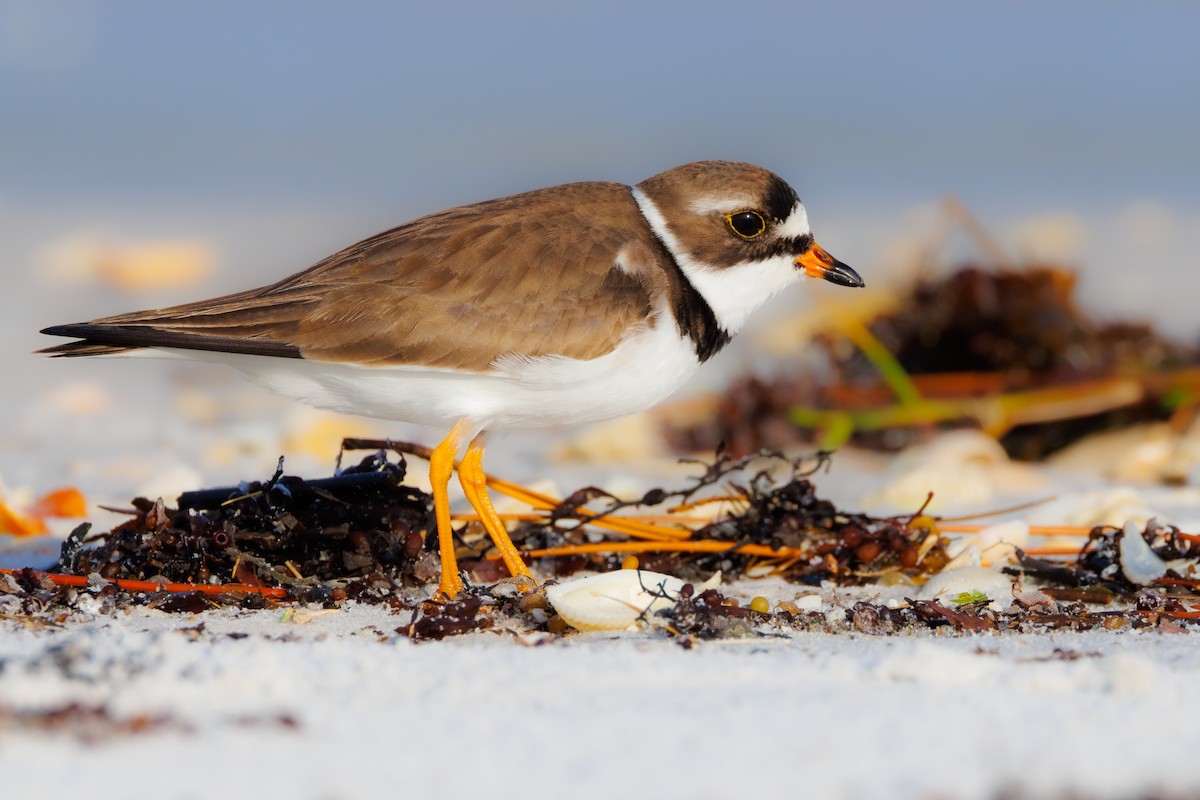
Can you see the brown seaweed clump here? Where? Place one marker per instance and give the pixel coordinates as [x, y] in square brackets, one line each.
[362, 535]
[775, 508]
[358, 534]
[975, 334]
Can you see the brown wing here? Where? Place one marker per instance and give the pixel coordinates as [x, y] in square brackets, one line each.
[531, 274]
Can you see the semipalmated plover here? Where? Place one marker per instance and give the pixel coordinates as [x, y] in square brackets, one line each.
[571, 304]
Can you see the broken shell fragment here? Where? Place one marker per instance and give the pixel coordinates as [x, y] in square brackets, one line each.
[998, 543]
[1139, 563]
[951, 584]
[809, 602]
[618, 600]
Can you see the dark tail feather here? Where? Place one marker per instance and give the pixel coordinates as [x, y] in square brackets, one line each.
[109, 339]
[77, 349]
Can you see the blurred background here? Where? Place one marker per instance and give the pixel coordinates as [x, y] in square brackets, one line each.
[157, 153]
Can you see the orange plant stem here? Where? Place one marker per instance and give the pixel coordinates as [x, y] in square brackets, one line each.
[1181, 614]
[541, 516]
[691, 546]
[1036, 530]
[1052, 551]
[150, 586]
[616, 524]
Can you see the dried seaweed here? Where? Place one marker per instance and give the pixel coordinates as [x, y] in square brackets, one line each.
[357, 534]
[98, 724]
[90, 723]
[823, 542]
[1021, 322]
[1097, 568]
[362, 534]
[709, 615]
[973, 334]
[481, 608]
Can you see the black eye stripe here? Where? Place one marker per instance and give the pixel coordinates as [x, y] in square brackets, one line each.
[792, 246]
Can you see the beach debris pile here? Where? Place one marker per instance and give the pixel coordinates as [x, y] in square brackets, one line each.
[1004, 350]
[358, 534]
[1123, 562]
[773, 522]
[361, 535]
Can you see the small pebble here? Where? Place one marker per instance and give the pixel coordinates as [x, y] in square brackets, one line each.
[867, 551]
[895, 578]
[533, 601]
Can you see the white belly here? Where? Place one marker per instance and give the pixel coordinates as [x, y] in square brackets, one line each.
[519, 393]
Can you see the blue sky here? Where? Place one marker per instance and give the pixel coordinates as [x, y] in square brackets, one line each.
[419, 106]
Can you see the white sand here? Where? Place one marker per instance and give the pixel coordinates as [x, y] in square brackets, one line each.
[809, 715]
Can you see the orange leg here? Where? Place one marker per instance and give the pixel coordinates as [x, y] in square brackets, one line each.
[441, 467]
[474, 484]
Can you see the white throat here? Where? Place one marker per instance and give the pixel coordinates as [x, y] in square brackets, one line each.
[733, 293]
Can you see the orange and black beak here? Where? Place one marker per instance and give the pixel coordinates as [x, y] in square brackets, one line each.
[817, 263]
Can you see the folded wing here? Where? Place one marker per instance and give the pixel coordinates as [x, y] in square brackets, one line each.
[534, 274]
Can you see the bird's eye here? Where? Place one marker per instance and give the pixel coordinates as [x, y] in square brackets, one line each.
[746, 224]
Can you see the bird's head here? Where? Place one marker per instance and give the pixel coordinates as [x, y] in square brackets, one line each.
[738, 232]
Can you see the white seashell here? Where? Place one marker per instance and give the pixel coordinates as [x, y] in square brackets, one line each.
[964, 447]
[949, 584]
[616, 601]
[764, 570]
[998, 543]
[1138, 562]
[809, 602]
[1139, 453]
[951, 486]
[962, 468]
[963, 554]
[1036, 599]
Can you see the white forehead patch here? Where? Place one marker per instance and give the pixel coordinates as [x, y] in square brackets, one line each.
[720, 204]
[796, 224]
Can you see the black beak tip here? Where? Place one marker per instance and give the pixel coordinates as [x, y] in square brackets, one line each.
[843, 275]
